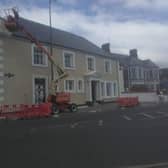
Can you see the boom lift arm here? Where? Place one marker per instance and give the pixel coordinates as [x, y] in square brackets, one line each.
[13, 25]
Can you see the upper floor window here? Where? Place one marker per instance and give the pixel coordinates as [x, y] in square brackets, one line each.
[39, 58]
[69, 59]
[107, 66]
[91, 65]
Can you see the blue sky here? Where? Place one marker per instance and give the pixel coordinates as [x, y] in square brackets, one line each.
[126, 24]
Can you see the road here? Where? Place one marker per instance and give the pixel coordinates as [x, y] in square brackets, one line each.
[101, 137]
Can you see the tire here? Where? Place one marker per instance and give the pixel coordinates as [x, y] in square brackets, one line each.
[73, 108]
[55, 109]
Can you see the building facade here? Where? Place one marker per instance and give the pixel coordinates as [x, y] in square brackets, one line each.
[139, 75]
[93, 75]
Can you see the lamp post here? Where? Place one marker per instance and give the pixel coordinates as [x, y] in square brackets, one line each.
[51, 40]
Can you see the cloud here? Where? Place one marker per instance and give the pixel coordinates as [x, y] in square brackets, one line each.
[136, 4]
[150, 38]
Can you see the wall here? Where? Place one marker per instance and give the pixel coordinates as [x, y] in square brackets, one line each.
[18, 61]
[143, 97]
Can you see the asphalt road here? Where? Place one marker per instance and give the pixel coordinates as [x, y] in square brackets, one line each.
[102, 137]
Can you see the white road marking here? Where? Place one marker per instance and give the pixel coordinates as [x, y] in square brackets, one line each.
[156, 165]
[92, 111]
[100, 122]
[127, 118]
[160, 112]
[73, 125]
[82, 107]
[55, 116]
[147, 115]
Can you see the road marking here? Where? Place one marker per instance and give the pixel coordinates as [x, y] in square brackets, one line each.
[92, 111]
[100, 122]
[82, 107]
[147, 115]
[160, 112]
[156, 165]
[73, 125]
[127, 118]
[55, 116]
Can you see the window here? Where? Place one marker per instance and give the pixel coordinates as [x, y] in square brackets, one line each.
[39, 58]
[80, 86]
[102, 89]
[140, 73]
[108, 89]
[107, 66]
[115, 89]
[91, 63]
[69, 60]
[133, 73]
[69, 85]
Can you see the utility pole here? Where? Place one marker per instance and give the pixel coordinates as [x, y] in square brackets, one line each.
[51, 40]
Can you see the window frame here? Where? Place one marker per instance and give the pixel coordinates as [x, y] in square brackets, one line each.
[111, 83]
[110, 66]
[94, 63]
[39, 65]
[74, 61]
[77, 85]
[70, 91]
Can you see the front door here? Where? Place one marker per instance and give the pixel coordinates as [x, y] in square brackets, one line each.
[40, 90]
[93, 88]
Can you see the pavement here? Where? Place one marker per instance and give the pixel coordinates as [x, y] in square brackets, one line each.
[102, 136]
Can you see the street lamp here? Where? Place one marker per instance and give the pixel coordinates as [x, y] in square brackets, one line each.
[51, 40]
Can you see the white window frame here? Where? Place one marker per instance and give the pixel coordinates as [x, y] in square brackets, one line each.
[102, 96]
[115, 82]
[82, 90]
[110, 68]
[74, 62]
[94, 62]
[33, 85]
[39, 65]
[70, 91]
[106, 89]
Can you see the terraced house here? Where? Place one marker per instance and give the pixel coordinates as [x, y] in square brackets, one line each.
[25, 71]
[139, 75]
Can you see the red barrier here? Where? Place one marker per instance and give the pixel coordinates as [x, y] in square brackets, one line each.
[24, 111]
[128, 101]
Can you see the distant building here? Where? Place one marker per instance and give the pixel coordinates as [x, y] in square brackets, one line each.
[139, 75]
[164, 80]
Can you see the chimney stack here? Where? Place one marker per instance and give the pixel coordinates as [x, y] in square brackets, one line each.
[106, 47]
[133, 53]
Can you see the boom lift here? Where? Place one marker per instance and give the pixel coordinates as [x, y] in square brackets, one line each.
[60, 101]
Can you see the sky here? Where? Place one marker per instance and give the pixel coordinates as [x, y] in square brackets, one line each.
[125, 24]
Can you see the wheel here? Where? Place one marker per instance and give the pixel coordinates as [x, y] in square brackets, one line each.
[55, 109]
[73, 108]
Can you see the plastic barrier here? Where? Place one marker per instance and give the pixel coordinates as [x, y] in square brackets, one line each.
[24, 111]
[127, 101]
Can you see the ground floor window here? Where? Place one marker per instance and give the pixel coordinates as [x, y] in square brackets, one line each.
[80, 85]
[102, 89]
[108, 89]
[114, 89]
[69, 85]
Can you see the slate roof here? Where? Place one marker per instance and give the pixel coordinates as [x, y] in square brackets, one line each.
[126, 60]
[60, 38]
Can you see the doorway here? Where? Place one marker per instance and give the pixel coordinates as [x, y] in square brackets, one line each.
[94, 90]
[39, 90]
